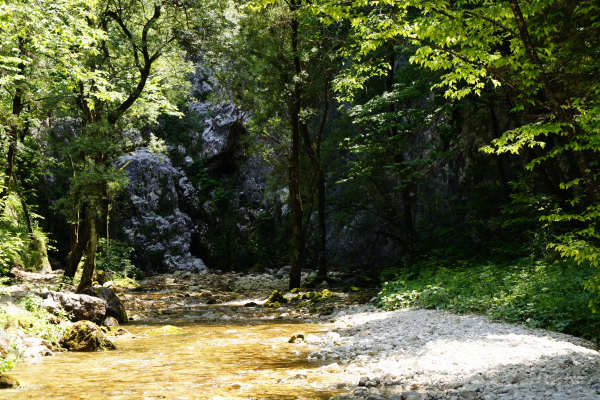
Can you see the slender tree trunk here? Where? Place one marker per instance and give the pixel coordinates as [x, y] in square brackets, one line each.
[314, 154]
[89, 265]
[12, 147]
[408, 187]
[322, 271]
[37, 245]
[10, 162]
[588, 177]
[77, 248]
[500, 158]
[17, 107]
[407, 207]
[298, 242]
[27, 215]
[295, 195]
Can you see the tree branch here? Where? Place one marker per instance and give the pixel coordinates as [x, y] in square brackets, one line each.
[144, 70]
[127, 33]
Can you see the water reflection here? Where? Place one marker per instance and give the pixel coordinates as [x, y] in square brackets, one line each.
[199, 362]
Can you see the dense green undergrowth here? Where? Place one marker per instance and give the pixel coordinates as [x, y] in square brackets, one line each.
[536, 293]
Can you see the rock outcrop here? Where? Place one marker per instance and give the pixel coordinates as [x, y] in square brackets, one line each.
[155, 225]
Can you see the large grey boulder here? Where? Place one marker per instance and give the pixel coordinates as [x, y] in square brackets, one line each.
[114, 307]
[223, 126]
[80, 306]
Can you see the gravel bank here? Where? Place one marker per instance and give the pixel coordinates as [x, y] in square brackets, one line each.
[426, 354]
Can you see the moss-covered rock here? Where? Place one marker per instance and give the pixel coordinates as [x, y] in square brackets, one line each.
[276, 296]
[103, 276]
[316, 297]
[273, 304]
[275, 299]
[86, 336]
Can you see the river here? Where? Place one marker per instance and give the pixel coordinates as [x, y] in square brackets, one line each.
[184, 357]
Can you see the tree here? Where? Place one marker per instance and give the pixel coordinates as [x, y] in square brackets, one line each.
[544, 53]
[125, 77]
[36, 48]
[279, 64]
[396, 112]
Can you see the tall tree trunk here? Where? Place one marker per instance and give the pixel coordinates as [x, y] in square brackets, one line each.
[408, 212]
[408, 187]
[26, 213]
[9, 172]
[499, 158]
[581, 158]
[314, 154]
[89, 265]
[80, 234]
[298, 240]
[587, 174]
[295, 195]
[10, 162]
[322, 267]
[37, 245]
[17, 107]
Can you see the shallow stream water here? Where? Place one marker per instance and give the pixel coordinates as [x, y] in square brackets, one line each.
[240, 359]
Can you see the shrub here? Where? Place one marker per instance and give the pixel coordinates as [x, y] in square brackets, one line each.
[115, 258]
[17, 246]
[533, 292]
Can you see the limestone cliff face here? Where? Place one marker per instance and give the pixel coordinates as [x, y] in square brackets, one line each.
[200, 200]
[155, 226]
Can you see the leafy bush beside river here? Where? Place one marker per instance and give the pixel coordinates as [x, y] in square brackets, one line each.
[549, 295]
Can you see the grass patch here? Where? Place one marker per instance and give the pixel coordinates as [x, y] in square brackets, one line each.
[533, 292]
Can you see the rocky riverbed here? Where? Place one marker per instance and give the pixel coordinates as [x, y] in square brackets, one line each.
[428, 354]
[354, 351]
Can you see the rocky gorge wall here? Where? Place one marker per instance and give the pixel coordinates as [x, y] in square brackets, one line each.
[210, 201]
[200, 202]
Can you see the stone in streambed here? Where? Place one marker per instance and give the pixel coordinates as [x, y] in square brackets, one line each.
[8, 382]
[110, 322]
[296, 338]
[275, 299]
[86, 336]
[80, 306]
[413, 396]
